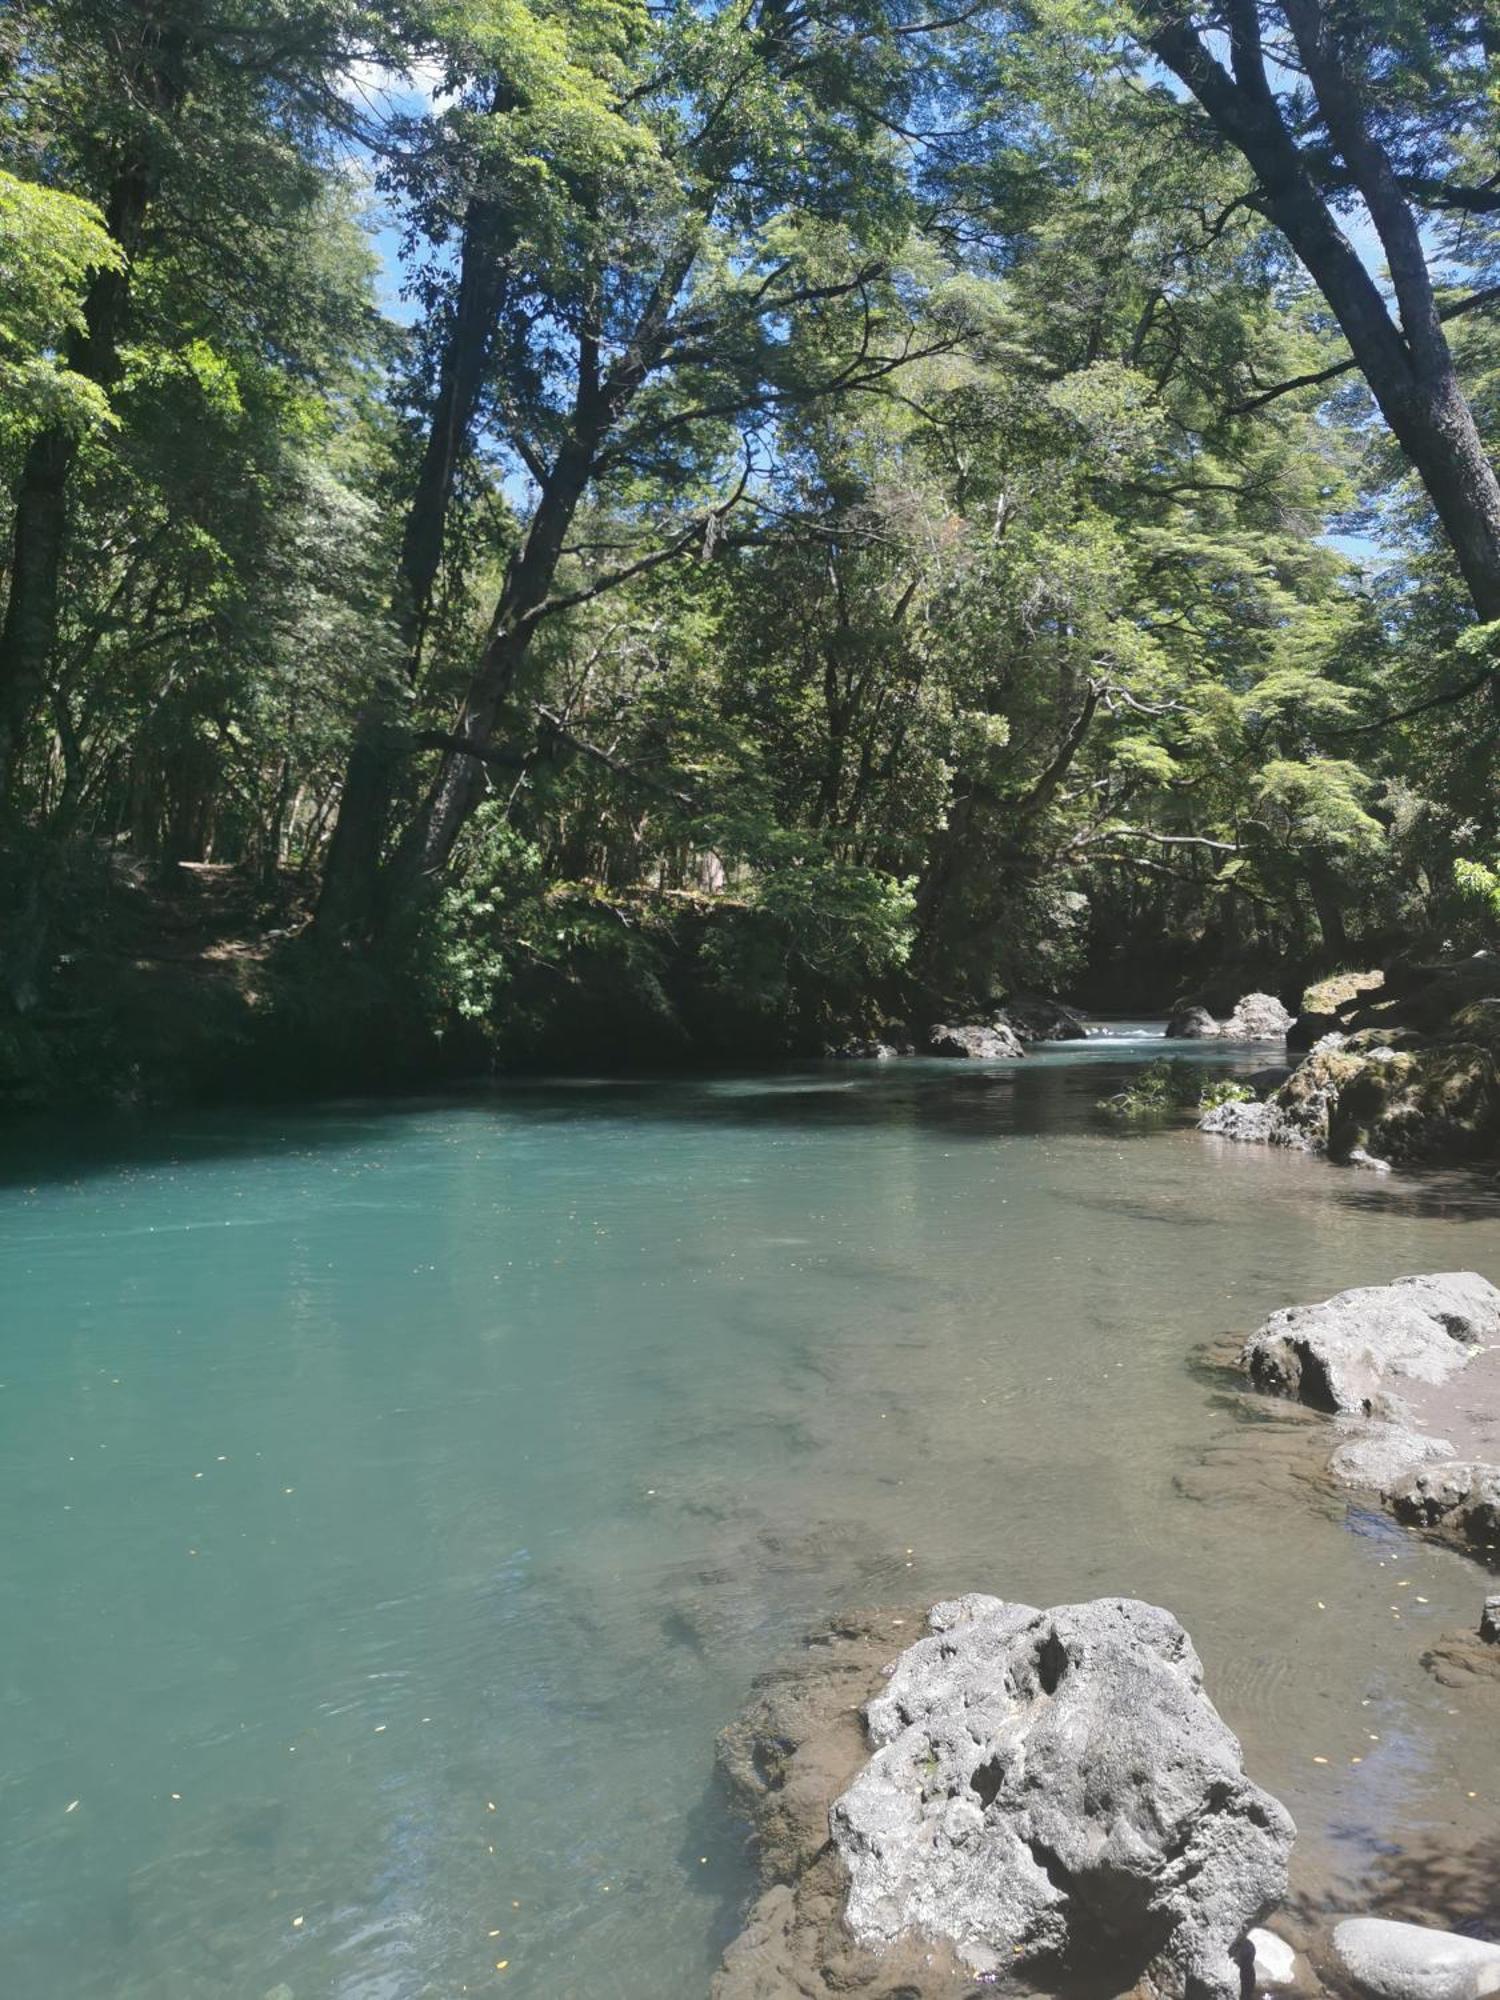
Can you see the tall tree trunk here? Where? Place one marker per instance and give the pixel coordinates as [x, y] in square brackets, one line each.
[601, 398]
[1408, 366]
[423, 850]
[346, 906]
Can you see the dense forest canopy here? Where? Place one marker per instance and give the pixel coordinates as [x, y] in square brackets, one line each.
[704, 525]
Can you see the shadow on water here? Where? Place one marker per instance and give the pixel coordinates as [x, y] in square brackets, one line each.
[1053, 1093]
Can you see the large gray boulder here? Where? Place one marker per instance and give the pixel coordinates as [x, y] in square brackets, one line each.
[979, 1043]
[1351, 1352]
[1258, 1017]
[1055, 1789]
[1409, 1962]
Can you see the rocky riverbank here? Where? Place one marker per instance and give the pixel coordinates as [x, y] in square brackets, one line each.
[1402, 1067]
[1410, 1375]
[987, 1796]
[990, 1798]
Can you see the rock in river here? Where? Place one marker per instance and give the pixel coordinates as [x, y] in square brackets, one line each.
[983, 1044]
[1037, 1019]
[1254, 1123]
[1258, 1017]
[1049, 1792]
[1409, 1962]
[1344, 1353]
[1458, 1500]
[1193, 1024]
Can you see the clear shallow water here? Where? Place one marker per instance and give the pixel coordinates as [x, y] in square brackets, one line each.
[415, 1491]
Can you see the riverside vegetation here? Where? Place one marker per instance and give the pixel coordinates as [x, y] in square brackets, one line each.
[537, 533]
[654, 533]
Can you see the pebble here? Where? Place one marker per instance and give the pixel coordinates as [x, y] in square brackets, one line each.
[1275, 1962]
[1391, 1961]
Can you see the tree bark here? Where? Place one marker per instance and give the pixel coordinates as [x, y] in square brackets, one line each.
[601, 399]
[1408, 365]
[424, 848]
[346, 905]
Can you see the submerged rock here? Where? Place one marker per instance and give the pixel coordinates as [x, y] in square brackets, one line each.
[1254, 1124]
[1392, 1961]
[1258, 1017]
[1344, 1353]
[1459, 1499]
[1380, 1456]
[1462, 1659]
[978, 1042]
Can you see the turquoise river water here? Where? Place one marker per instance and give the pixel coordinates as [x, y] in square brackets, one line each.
[398, 1498]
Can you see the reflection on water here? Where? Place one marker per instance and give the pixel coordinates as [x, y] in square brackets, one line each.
[402, 1498]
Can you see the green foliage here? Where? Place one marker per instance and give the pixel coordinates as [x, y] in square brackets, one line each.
[1171, 1086]
[901, 599]
[51, 243]
[1480, 881]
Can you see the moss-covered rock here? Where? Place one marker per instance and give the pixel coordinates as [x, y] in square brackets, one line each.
[1438, 1101]
[1394, 1090]
[1340, 990]
[1401, 1095]
[1328, 1006]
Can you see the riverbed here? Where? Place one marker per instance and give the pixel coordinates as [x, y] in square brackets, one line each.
[400, 1497]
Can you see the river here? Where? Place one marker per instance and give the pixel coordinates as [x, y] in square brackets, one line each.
[398, 1498]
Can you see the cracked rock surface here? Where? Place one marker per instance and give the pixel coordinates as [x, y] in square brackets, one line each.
[1036, 1798]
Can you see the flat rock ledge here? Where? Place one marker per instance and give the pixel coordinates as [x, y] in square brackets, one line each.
[1021, 1800]
[1388, 1362]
